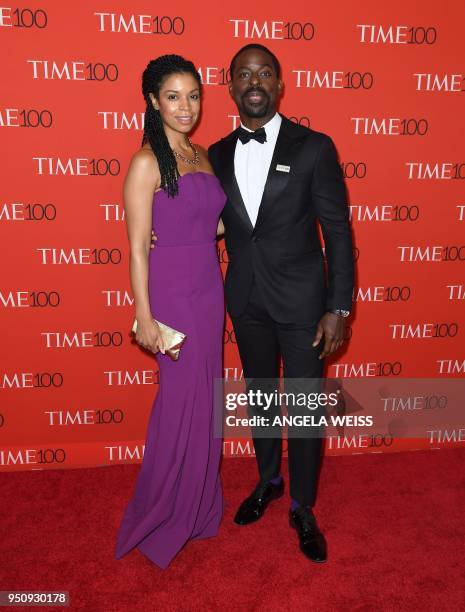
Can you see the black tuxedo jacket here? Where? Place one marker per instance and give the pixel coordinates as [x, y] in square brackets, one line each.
[283, 251]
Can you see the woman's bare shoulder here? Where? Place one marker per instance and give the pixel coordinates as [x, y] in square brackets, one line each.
[144, 157]
[144, 164]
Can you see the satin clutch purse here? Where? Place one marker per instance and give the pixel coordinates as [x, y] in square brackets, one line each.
[172, 339]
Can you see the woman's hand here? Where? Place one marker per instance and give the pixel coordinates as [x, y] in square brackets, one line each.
[153, 240]
[149, 336]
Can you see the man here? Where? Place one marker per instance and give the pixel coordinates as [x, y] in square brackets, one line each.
[280, 178]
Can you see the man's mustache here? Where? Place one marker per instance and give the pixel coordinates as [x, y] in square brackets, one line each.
[255, 90]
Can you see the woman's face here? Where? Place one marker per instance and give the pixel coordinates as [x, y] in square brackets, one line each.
[179, 102]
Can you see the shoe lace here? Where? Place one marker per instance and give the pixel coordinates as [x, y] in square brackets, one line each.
[307, 518]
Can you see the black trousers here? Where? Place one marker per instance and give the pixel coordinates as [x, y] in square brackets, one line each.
[261, 341]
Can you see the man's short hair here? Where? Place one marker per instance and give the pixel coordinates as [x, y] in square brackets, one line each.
[274, 59]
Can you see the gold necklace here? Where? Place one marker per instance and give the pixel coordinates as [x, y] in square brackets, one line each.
[193, 162]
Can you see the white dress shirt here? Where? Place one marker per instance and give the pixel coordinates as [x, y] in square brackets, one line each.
[251, 166]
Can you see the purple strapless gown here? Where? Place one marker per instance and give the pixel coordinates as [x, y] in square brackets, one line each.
[178, 493]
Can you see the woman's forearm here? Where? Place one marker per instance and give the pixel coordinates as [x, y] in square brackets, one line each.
[139, 275]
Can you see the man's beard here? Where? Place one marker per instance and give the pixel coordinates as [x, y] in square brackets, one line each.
[255, 111]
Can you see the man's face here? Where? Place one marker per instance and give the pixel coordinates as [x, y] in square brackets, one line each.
[255, 86]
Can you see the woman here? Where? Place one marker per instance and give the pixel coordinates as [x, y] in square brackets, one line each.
[170, 188]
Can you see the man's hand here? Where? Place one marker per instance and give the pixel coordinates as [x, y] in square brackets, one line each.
[332, 327]
[153, 239]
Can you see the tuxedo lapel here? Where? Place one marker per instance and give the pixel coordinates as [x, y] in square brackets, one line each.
[229, 181]
[277, 179]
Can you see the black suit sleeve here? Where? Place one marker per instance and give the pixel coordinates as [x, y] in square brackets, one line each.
[213, 159]
[329, 199]
[212, 156]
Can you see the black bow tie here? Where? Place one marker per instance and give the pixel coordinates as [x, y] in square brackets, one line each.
[259, 135]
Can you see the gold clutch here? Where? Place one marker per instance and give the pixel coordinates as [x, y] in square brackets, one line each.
[172, 339]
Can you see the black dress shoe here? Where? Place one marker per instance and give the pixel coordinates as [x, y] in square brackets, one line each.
[254, 506]
[312, 541]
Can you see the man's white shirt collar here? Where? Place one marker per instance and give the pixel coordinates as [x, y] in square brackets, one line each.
[271, 127]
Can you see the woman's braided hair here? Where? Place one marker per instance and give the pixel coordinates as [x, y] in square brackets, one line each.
[152, 79]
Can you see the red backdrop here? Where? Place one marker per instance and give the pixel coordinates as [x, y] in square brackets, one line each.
[386, 82]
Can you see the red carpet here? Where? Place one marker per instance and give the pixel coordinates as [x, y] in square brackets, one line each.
[394, 524]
